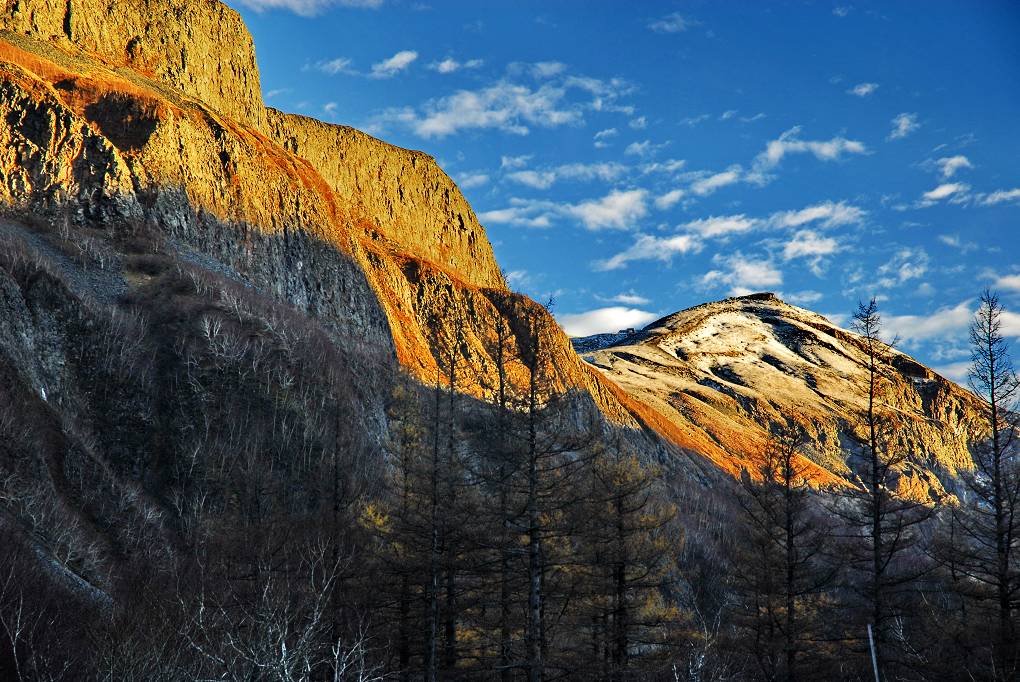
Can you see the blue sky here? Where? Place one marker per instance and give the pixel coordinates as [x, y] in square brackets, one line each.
[633, 159]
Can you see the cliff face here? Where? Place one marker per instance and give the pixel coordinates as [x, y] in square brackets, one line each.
[395, 194]
[172, 133]
[725, 373]
[200, 47]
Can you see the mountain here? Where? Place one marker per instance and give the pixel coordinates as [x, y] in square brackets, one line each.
[157, 119]
[727, 372]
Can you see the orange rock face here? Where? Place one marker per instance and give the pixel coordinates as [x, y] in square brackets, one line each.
[120, 126]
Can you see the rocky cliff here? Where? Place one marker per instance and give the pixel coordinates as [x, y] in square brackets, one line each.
[725, 373]
[199, 47]
[159, 122]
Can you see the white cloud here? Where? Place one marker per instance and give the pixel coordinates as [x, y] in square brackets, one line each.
[643, 148]
[831, 214]
[520, 216]
[804, 297]
[743, 275]
[506, 106]
[720, 226]
[948, 165]
[669, 199]
[672, 23]
[943, 323]
[809, 244]
[334, 66]
[511, 162]
[1011, 282]
[727, 115]
[1001, 196]
[667, 166]
[503, 106]
[639, 123]
[945, 190]
[602, 136]
[648, 247]
[905, 265]
[617, 210]
[308, 8]
[957, 371]
[547, 69]
[451, 65]
[862, 89]
[954, 241]
[469, 180]
[388, 68]
[604, 320]
[903, 124]
[790, 143]
[841, 11]
[544, 179]
[626, 298]
[708, 185]
[330, 108]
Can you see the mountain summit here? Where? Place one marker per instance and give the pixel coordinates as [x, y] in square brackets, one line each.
[725, 373]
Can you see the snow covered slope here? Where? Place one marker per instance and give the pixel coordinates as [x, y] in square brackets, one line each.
[725, 372]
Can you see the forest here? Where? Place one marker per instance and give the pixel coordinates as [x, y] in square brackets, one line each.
[214, 507]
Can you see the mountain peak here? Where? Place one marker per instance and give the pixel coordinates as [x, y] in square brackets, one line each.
[730, 371]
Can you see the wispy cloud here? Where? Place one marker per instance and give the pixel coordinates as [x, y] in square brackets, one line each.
[902, 125]
[650, 247]
[944, 322]
[1000, 196]
[308, 8]
[546, 178]
[790, 142]
[602, 137]
[617, 210]
[335, 66]
[506, 106]
[669, 199]
[388, 68]
[863, 89]
[471, 180]
[905, 265]
[604, 320]
[643, 148]
[1009, 282]
[743, 275]
[720, 226]
[451, 65]
[673, 23]
[827, 213]
[948, 165]
[626, 298]
[954, 191]
[691, 236]
[708, 185]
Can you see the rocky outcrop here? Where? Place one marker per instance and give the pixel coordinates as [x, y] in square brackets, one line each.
[394, 194]
[726, 373]
[199, 47]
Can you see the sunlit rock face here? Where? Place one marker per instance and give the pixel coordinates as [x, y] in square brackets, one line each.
[727, 372]
[157, 117]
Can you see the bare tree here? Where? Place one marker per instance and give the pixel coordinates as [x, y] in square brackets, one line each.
[987, 523]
